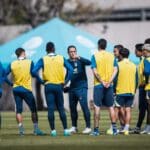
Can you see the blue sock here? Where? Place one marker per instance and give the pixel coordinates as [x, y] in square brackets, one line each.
[114, 127]
[35, 125]
[96, 129]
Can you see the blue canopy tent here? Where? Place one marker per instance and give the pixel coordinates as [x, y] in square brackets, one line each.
[57, 31]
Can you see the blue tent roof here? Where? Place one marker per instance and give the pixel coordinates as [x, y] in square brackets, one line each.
[57, 31]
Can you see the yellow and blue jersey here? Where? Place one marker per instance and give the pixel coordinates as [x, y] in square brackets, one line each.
[22, 74]
[104, 62]
[141, 77]
[127, 78]
[53, 70]
[146, 72]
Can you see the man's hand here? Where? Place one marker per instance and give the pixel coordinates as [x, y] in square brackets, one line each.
[77, 57]
[107, 85]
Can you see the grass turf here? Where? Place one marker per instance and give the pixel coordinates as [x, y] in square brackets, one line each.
[10, 140]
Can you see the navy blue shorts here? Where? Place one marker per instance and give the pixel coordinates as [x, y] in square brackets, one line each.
[103, 96]
[125, 101]
[148, 96]
[54, 96]
[27, 97]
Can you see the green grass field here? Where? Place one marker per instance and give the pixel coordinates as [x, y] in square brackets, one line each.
[10, 140]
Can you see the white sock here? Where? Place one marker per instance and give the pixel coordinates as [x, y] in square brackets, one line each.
[20, 124]
[74, 127]
[126, 127]
[54, 130]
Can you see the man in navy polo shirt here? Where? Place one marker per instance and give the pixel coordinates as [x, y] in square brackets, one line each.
[78, 89]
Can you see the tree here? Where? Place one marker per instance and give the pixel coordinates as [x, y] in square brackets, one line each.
[29, 11]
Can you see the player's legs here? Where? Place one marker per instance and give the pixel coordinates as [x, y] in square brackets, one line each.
[0, 112]
[127, 101]
[98, 96]
[142, 107]
[82, 96]
[29, 99]
[60, 106]
[73, 101]
[19, 105]
[147, 127]
[148, 112]
[109, 101]
[50, 100]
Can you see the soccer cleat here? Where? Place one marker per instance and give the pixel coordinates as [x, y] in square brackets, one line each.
[148, 133]
[21, 130]
[67, 132]
[145, 131]
[37, 131]
[95, 133]
[73, 130]
[126, 132]
[109, 131]
[87, 131]
[53, 133]
[136, 130]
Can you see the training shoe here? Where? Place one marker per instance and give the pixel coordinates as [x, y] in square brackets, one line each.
[37, 131]
[67, 132]
[87, 131]
[148, 133]
[53, 133]
[95, 133]
[73, 130]
[145, 130]
[116, 132]
[125, 132]
[21, 130]
[136, 130]
[109, 131]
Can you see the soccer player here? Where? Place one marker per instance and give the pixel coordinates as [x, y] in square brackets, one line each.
[127, 80]
[146, 72]
[119, 114]
[53, 72]
[78, 89]
[116, 50]
[21, 70]
[141, 85]
[104, 68]
[1, 81]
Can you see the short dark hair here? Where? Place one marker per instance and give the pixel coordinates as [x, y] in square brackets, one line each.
[71, 46]
[147, 41]
[19, 51]
[124, 53]
[50, 47]
[119, 47]
[102, 43]
[139, 47]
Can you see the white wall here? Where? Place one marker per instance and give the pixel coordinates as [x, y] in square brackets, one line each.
[126, 33]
